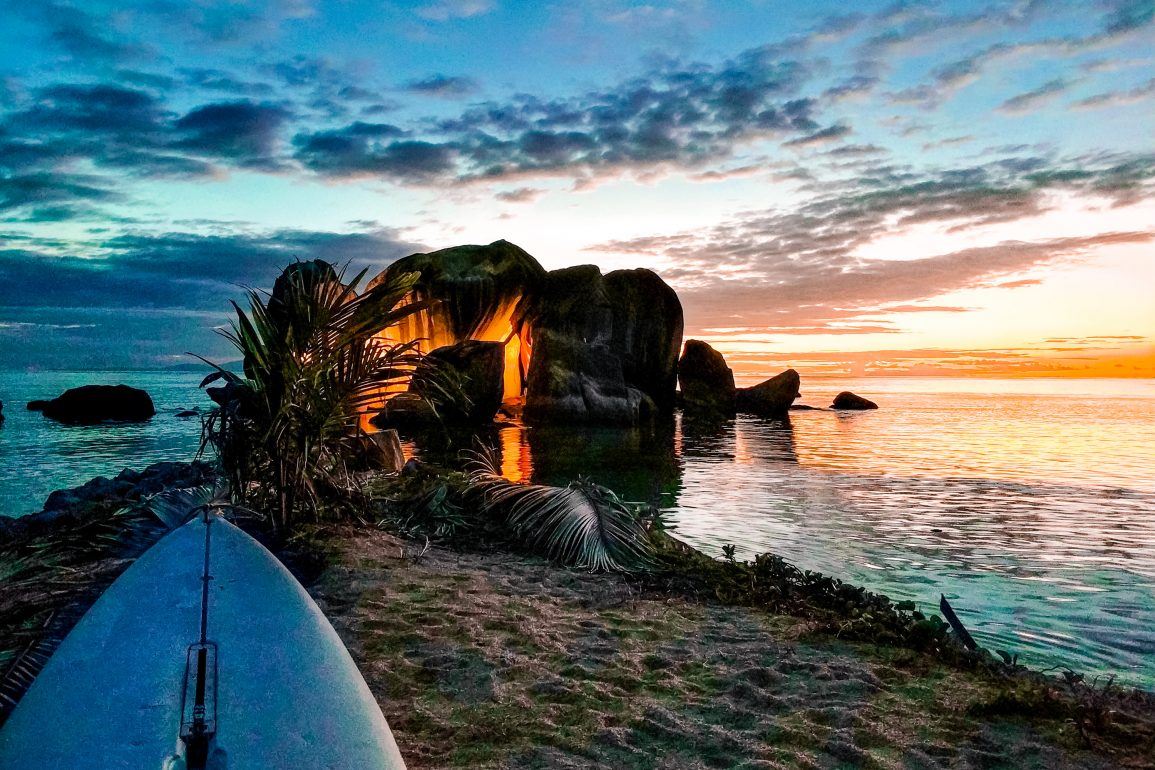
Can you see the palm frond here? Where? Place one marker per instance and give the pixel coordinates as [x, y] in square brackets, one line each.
[582, 525]
[174, 507]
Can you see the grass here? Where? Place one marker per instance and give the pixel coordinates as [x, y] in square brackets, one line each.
[488, 660]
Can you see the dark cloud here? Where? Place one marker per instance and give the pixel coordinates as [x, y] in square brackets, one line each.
[1126, 15]
[157, 294]
[244, 132]
[443, 86]
[1035, 98]
[678, 115]
[824, 136]
[51, 197]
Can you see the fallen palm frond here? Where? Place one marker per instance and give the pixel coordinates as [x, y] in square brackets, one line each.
[174, 507]
[582, 525]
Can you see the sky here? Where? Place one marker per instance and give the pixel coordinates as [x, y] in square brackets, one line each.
[925, 188]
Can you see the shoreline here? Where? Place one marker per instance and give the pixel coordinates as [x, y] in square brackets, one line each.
[618, 669]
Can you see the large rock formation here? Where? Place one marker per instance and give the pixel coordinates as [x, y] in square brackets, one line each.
[707, 383]
[771, 398]
[577, 346]
[848, 400]
[604, 347]
[474, 293]
[91, 404]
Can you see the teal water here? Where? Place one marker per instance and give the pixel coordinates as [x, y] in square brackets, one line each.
[1029, 503]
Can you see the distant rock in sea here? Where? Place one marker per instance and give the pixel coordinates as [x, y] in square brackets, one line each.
[707, 383]
[188, 413]
[92, 404]
[37, 405]
[771, 398]
[848, 400]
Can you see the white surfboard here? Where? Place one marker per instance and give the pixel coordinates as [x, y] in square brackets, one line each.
[272, 686]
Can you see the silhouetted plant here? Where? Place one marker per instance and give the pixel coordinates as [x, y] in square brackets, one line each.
[314, 361]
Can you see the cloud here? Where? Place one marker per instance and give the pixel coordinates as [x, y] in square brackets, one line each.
[1134, 95]
[143, 297]
[243, 132]
[443, 86]
[676, 116]
[1038, 97]
[1128, 15]
[520, 195]
[825, 136]
[802, 268]
[447, 10]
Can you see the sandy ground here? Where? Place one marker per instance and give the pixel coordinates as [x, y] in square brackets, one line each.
[496, 660]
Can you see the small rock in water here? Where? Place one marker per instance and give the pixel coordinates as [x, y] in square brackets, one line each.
[91, 404]
[37, 405]
[848, 400]
[188, 413]
[771, 398]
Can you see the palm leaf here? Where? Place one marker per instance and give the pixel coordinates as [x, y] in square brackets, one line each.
[582, 525]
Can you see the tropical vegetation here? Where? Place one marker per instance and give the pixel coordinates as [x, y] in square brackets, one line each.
[287, 433]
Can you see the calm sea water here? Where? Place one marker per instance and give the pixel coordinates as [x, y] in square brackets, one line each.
[1029, 503]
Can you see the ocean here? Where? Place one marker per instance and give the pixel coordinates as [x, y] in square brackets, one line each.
[1029, 503]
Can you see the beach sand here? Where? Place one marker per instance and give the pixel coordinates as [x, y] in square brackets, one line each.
[500, 660]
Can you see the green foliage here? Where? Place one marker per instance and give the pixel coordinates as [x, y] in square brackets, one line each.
[314, 362]
[771, 583]
[427, 504]
[582, 525]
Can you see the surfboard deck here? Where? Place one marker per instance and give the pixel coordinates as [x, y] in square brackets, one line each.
[287, 693]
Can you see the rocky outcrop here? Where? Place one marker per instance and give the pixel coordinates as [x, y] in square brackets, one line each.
[577, 346]
[848, 400]
[604, 347]
[37, 405]
[67, 507]
[92, 404]
[647, 332]
[771, 398]
[464, 379]
[1, 412]
[707, 383]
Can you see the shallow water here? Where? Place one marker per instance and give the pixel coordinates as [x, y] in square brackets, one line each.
[1029, 503]
[38, 455]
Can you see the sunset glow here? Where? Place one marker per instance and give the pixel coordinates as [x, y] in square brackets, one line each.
[918, 189]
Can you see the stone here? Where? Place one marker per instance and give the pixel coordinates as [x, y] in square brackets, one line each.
[647, 332]
[597, 360]
[472, 370]
[578, 346]
[188, 413]
[771, 398]
[848, 400]
[573, 382]
[707, 383]
[37, 405]
[380, 451]
[92, 404]
[68, 507]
